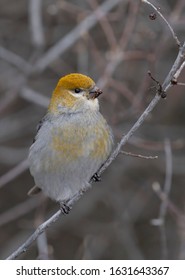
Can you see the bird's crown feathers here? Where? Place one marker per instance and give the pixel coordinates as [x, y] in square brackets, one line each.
[75, 80]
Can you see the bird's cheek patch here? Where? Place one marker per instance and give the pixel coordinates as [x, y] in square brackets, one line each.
[61, 100]
[68, 101]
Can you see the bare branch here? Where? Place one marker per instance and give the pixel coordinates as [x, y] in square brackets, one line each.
[130, 24]
[42, 246]
[181, 84]
[42, 243]
[13, 173]
[138, 156]
[168, 178]
[160, 90]
[166, 85]
[160, 221]
[179, 71]
[14, 60]
[36, 26]
[34, 97]
[176, 67]
[23, 248]
[107, 28]
[19, 210]
[165, 20]
[171, 206]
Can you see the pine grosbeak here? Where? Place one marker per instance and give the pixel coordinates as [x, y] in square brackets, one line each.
[72, 142]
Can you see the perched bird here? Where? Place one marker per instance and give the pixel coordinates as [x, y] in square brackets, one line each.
[72, 142]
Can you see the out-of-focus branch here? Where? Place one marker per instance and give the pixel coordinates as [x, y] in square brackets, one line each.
[116, 57]
[34, 236]
[19, 210]
[23, 248]
[160, 221]
[164, 205]
[66, 42]
[13, 173]
[168, 178]
[42, 243]
[34, 97]
[130, 24]
[56, 50]
[107, 28]
[14, 60]
[36, 26]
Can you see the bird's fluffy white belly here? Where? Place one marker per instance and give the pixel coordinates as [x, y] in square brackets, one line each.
[64, 158]
[66, 181]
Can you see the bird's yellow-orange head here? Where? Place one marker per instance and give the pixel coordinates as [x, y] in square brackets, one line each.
[74, 92]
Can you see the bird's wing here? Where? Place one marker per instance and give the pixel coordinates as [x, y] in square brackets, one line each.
[39, 126]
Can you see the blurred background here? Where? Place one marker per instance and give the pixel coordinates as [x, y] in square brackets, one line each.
[126, 215]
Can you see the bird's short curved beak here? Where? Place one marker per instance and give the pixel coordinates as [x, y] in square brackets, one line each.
[95, 92]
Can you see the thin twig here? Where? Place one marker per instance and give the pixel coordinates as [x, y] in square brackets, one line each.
[34, 236]
[171, 206]
[138, 156]
[160, 221]
[178, 72]
[24, 247]
[181, 84]
[175, 67]
[165, 20]
[160, 90]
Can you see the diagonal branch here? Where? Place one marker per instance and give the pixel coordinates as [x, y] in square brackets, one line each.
[23, 248]
[166, 85]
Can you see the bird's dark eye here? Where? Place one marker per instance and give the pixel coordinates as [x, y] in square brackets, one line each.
[78, 90]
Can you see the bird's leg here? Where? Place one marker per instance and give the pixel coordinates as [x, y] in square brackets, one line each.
[96, 177]
[64, 204]
[64, 207]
